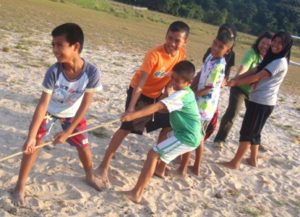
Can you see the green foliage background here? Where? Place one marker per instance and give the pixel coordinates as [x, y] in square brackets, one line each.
[249, 16]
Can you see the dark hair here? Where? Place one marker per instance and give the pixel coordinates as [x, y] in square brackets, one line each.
[185, 69]
[229, 28]
[179, 26]
[225, 37]
[72, 31]
[267, 35]
[286, 51]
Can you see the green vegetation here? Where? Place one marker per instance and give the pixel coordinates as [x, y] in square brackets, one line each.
[251, 211]
[251, 16]
[134, 32]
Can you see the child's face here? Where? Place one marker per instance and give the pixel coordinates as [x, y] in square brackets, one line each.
[219, 49]
[276, 45]
[178, 82]
[263, 46]
[62, 49]
[174, 41]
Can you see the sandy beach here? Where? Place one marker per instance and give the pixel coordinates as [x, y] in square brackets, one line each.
[56, 186]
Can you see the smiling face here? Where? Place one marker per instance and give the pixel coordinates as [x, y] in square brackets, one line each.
[63, 50]
[219, 49]
[277, 45]
[263, 46]
[178, 82]
[174, 41]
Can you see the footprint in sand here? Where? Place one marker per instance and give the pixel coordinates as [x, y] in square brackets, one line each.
[55, 191]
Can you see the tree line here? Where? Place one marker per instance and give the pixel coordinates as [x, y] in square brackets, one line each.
[250, 16]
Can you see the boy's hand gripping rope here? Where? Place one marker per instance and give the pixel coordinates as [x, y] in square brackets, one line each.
[51, 142]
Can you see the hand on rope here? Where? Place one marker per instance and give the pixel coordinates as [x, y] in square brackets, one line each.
[30, 147]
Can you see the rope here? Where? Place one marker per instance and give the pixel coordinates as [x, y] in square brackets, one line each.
[51, 142]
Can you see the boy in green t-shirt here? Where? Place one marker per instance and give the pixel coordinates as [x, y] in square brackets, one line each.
[184, 120]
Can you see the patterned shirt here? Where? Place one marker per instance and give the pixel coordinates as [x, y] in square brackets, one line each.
[68, 94]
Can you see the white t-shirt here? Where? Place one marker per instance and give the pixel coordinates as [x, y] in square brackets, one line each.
[265, 92]
[68, 94]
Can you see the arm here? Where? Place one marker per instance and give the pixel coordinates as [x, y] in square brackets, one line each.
[137, 91]
[86, 102]
[256, 77]
[143, 112]
[38, 116]
[250, 72]
[204, 91]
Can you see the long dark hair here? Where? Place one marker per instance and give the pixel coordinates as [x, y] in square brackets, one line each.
[286, 51]
[267, 35]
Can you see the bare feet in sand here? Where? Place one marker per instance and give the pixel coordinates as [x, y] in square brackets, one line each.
[130, 195]
[97, 183]
[251, 162]
[18, 198]
[101, 176]
[230, 165]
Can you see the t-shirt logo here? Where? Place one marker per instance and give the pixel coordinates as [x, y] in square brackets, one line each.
[160, 74]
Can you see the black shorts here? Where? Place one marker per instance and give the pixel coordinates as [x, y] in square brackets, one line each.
[151, 122]
[254, 121]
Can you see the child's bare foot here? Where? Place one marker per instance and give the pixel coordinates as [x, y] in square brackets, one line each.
[97, 183]
[18, 198]
[132, 197]
[230, 165]
[101, 176]
[251, 162]
[194, 170]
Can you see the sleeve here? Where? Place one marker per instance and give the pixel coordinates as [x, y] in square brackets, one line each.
[216, 75]
[276, 66]
[230, 61]
[174, 101]
[206, 55]
[94, 84]
[149, 62]
[49, 79]
[248, 59]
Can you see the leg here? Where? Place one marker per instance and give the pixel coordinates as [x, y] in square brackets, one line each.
[236, 99]
[161, 166]
[102, 170]
[86, 158]
[236, 161]
[212, 125]
[198, 159]
[27, 163]
[147, 172]
[182, 170]
[252, 161]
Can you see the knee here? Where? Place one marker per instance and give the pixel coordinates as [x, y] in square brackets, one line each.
[153, 155]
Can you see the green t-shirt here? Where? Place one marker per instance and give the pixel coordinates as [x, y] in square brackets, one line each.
[250, 60]
[184, 116]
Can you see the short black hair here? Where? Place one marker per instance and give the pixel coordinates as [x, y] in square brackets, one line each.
[179, 26]
[72, 31]
[228, 27]
[226, 37]
[267, 35]
[185, 69]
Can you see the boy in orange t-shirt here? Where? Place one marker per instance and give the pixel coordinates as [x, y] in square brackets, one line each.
[145, 88]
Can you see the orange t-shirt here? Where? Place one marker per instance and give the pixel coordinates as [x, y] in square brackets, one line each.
[158, 64]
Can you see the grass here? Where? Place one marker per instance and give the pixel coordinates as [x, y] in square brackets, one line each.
[280, 203]
[119, 27]
[101, 133]
[251, 211]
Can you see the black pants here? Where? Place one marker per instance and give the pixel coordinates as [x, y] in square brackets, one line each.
[236, 98]
[254, 121]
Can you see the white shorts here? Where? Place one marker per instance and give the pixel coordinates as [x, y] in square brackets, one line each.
[171, 148]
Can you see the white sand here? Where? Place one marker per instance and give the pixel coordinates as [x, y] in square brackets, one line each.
[57, 188]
